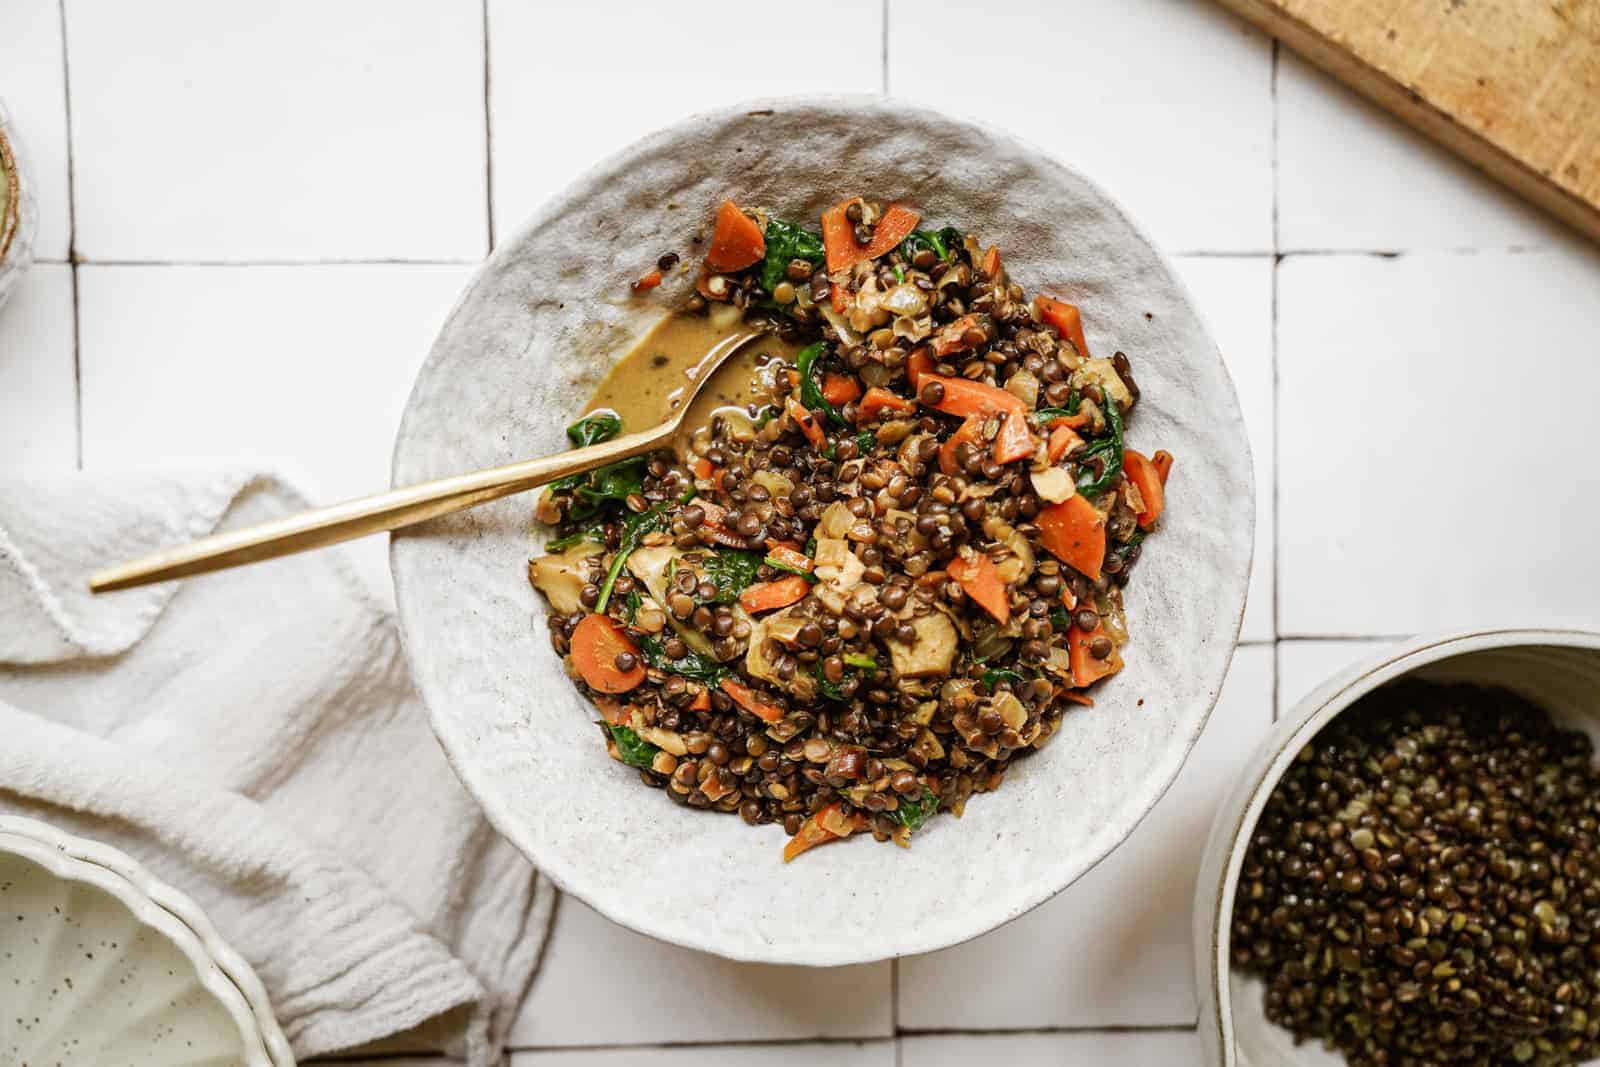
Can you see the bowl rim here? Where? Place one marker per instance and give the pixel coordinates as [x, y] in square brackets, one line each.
[171, 914]
[1177, 751]
[1223, 858]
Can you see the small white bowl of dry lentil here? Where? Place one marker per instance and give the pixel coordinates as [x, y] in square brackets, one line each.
[1409, 870]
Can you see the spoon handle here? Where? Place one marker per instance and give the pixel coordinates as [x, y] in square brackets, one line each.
[370, 514]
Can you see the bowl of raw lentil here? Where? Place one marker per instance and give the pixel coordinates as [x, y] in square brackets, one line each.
[894, 571]
[1409, 870]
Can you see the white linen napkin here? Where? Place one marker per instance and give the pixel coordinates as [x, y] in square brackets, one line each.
[254, 739]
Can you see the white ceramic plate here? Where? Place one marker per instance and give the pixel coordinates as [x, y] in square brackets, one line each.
[539, 326]
[101, 963]
[18, 211]
[1556, 669]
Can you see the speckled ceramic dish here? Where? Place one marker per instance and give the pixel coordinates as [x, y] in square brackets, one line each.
[101, 963]
[543, 320]
[18, 211]
[1557, 669]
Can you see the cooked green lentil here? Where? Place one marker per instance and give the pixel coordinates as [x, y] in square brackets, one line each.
[1422, 885]
[846, 611]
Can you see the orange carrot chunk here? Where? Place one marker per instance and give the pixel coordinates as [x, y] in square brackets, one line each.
[769, 596]
[1014, 441]
[965, 398]
[596, 643]
[879, 400]
[789, 556]
[991, 262]
[1086, 670]
[751, 701]
[612, 711]
[815, 830]
[808, 423]
[953, 337]
[840, 389]
[1063, 439]
[1075, 533]
[971, 432]
[1146, 477]
[1163, 461]
[702, 701]
[839, 244]
[1067, 321]
[918, 363]
[737, 241]
[647, 282]
[980, 580]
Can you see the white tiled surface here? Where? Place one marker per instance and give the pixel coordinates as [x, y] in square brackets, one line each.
[1420, 424]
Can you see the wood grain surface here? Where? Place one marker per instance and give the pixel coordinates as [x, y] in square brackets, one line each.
[1512, 85]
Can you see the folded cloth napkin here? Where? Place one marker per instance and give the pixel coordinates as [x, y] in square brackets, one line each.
[254, 739]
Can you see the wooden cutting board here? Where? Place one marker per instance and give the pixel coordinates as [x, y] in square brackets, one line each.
[1512, 85]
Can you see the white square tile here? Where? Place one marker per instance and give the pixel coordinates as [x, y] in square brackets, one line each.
[38, 387]
[287, 131]
[35, 92]
[308, 366]
[1235, 298]
[1436, 429]
[1351, 176]
[832, 1054]
[1115, 949]
[1170, 1048]
[573, 81]
[1305, 665]
[602, 983]
[1167, 104]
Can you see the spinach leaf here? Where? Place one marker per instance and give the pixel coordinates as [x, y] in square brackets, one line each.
[866, 441]
[561, 544]
[940, 242]
[913, 813]
[768, 413]
[1074, 400]
[811, 547]
[1059, 620]
[899, 273]
[592, 429]
[691, 664]
[995, 675]
[831, 690]
[610, 484]
[779, 565]
[634, 750]
[731, 570]
[862, 660]
[1109, 449]
[810, 389]
[634, 527]
[787, 242]
[634, 603]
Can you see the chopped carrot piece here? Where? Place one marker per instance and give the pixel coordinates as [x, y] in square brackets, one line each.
[971, 432]
[953, 337]
[647, 282]
[918, 363]
[807, 422]
[1072, 696]
[840, 389]
[1014, 441]
[933, 578]
[878, 400]
[1067, 321]
[1071, 422]
[701, 701]
[1086, 670]
[737, 241]
[596, 643]
[703, 468]
[839, 243]
[702, 285]
[839, 299]
[770, 596]
[1146, 477]
[1063, 439]
[829, 824]
[980, 580]
[717, 521]
[965, 398]
[991, 262]
[1075, 533]
[751, 701]
[789, 556]
[1163, 461]
[612, 711]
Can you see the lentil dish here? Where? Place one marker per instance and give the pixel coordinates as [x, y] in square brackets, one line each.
[892, 556]
[1421, 886]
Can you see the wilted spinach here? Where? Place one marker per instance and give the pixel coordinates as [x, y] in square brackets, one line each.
[691, 664]
[1109, 449]
[731, 570]
[913, 813]
[995, 675]
[634, 750]
[940, 242]
[779, 565]
[787, 242]
[634, 527]
[810, 389]
[592, 429]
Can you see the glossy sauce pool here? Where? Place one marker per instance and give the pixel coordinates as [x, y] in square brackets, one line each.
[658, 374]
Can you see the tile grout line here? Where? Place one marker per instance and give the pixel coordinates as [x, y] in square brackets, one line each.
[488, 136]
[1277, 262]
[72, 244]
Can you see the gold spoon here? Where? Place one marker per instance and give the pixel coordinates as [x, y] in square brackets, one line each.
[402, 507]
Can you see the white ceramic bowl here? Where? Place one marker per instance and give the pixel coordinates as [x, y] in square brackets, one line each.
[18, 210]
[539, 326]
[1557, 669]
[100, 962]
